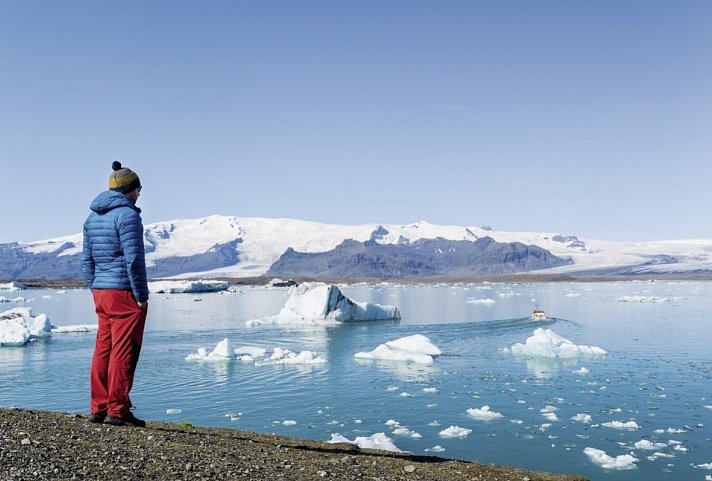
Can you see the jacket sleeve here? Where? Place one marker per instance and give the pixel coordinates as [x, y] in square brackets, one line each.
[87, 260]
[131, 241]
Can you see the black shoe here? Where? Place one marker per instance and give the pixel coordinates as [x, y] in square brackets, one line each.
[128, 420]
[97, 418]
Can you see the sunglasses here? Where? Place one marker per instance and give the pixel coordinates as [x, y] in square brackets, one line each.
[139, 188]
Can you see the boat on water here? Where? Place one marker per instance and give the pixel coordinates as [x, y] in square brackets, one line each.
[539, 315]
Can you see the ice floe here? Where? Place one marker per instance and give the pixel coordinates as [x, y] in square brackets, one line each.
[376, 441]
[547, 344]
[480, 301]
[704, 466]
[14, 300]
[653, 299]
[484, 414]
[629, 425]
[435, 449]
[74, 328]
[455, 432]
[598, 456]
[315, 302]
[18, 327]
[582, 418]
[187, 287]
[224, 351]
[647, 445]
[11, 286]
[416, 348]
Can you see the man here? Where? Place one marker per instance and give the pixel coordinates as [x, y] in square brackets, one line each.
[114, 267]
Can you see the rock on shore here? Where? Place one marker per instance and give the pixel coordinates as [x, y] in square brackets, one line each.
[59, 446]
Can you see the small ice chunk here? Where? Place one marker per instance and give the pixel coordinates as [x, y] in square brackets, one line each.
[435, 449]
[222, 352]
[484, 414]
[598, 456]
[430, 390]
[646, 445]
[455, 432]
[582, 418]
[173, 411]
[376, 441]
[75, 328]
[289, 422]
[629, 425]
[480, 301]
[704, 466]
[285, 356]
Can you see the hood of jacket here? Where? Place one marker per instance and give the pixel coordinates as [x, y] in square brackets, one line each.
[109, 200]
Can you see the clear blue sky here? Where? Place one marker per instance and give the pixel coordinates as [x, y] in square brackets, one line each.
[591, 118]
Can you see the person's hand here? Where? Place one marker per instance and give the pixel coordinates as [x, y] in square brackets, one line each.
[143, 305]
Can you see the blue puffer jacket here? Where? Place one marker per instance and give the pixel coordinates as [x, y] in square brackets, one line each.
[113, 256]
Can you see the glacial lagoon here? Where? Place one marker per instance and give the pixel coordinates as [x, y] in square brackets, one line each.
[643, 411]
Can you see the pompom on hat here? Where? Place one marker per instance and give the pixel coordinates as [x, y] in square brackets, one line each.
[123, 179]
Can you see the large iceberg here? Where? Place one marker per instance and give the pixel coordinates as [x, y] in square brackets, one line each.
[187, 287]
[547, 344]
[415, 348]
[322, 302]
[18, 327]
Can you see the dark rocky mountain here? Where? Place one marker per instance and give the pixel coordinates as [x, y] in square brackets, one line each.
[18, 263]
[422, 258]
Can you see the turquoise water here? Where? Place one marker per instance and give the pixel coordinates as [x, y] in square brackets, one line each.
[657, 371]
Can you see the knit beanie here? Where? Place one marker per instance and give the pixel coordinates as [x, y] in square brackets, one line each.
[123, 179]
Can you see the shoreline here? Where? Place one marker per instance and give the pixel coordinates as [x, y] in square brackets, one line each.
[52, 445]
[527, 278]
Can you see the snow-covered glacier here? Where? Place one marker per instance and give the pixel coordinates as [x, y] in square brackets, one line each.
[247, 247]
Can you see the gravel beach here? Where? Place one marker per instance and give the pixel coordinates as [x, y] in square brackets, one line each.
[39, 445]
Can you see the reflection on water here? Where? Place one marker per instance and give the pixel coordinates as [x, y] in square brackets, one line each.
[657, 371]
[403, 371]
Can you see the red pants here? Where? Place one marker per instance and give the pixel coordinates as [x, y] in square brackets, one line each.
[118, 345]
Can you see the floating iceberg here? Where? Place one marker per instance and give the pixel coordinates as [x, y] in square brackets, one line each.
[484, 414]
[322, 303]
[648, 445]
[546, 343]
[75, 328]
[222, 352]
[582, 418]
[629, 425]
[15, 300]
[11, 286]
[285, 356]
[624, 461]
[416, 348]
[455, 432]
[653, 299]
[18, 327]
[377, 441]
[187, 287]
[225, 352]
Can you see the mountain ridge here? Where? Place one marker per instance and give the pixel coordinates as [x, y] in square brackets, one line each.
[230, 246]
